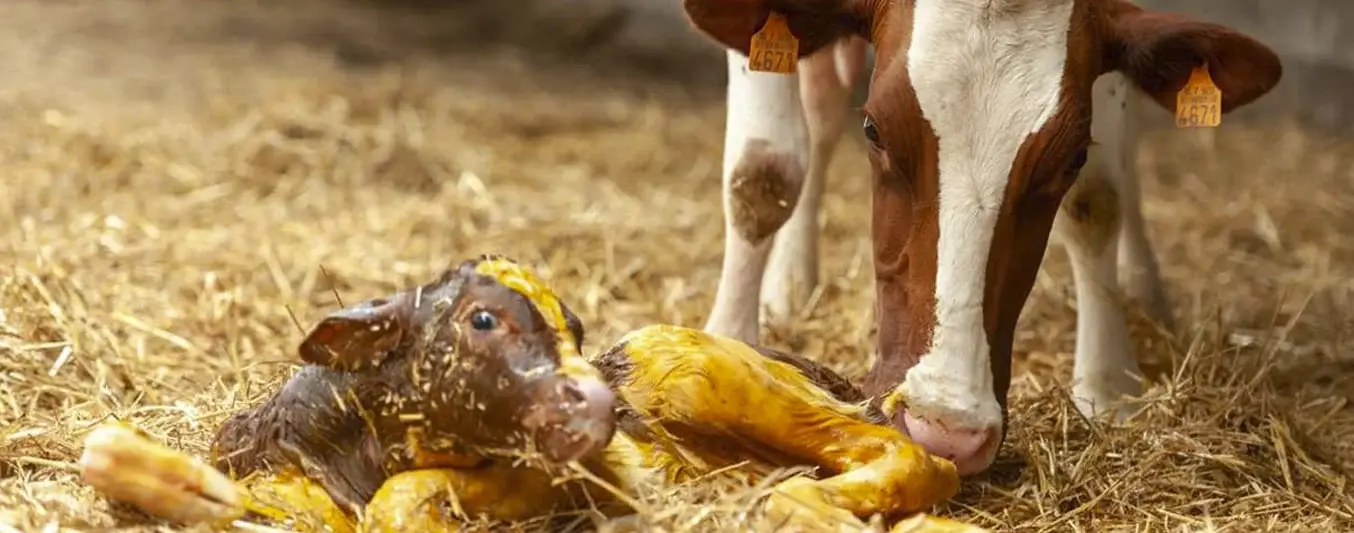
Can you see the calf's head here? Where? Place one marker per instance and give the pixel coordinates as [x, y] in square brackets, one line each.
[979, 118]
[484, 360]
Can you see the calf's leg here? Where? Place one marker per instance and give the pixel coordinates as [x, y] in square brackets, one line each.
[440, 500]
[765, 151]
[726, 391]
[826, 80]
[125, 464]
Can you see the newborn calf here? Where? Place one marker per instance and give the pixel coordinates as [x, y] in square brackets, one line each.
[412, 410]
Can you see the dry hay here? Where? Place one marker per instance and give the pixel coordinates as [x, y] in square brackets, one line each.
[169, 208]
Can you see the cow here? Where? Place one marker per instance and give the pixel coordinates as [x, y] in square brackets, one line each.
[982, 146]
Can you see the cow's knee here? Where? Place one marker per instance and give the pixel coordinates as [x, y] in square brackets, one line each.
[763, 190]
[1091, 217]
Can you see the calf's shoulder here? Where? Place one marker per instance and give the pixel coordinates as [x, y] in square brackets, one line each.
[314, 424]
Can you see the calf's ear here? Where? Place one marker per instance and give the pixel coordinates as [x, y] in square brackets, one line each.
[358, 336]
[815, 23]
[1159, 51]
[574, 323]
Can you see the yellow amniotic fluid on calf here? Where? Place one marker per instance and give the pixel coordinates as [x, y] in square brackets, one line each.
[432, 500]
[525, 282]
[288, 495]
[707, 385]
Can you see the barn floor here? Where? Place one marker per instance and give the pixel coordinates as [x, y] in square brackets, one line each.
[175, 181]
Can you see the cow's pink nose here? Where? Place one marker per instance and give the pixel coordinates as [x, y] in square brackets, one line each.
[971, 450]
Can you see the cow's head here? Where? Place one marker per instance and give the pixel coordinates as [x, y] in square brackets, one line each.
[979, 116]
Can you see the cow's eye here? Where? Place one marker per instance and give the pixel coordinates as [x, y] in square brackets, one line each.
[871, 132]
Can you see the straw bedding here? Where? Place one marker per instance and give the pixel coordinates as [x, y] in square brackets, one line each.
[185, 189]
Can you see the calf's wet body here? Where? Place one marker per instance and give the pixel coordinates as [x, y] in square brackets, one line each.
[305, 426]
[413, 413]
[439, 376]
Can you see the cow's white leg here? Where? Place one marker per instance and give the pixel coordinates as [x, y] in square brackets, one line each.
[765, 157]
[1116, 110]
[1105, 368]
[826, 80]
[1089, 224]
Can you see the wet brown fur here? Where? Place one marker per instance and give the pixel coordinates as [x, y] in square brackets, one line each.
[341, 427]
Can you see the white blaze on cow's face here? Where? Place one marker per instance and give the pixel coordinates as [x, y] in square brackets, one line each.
[986, 76]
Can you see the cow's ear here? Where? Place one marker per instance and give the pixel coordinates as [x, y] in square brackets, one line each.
[815, 23]
[358, 336]
[1159, 51]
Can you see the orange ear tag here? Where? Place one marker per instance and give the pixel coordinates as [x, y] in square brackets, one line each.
[774, 48]
[1199, 104]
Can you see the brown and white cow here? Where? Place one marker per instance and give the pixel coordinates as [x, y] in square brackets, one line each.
[979, 115]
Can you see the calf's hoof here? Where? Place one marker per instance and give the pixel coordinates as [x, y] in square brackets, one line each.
[125, 465]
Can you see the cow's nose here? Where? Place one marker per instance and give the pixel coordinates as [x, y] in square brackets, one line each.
[971, 449]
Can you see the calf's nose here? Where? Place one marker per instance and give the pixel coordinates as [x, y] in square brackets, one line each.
[581, 419]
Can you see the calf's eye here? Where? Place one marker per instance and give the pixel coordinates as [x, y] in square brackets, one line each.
[483, 321]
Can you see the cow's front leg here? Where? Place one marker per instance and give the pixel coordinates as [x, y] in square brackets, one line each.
[1105, 369]
[126, 465]
[765, 157]
[729, 393]
[1116, 129]
[826, 80]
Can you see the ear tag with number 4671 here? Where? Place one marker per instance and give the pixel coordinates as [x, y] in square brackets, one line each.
[1199, 103]
[774, 48]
